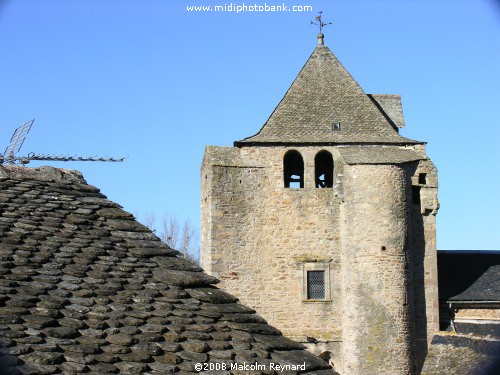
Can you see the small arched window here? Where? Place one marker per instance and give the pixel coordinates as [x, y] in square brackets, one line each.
[293, 170]
[323, 167]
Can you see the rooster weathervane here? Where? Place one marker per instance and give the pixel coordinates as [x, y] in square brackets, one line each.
[319, 22]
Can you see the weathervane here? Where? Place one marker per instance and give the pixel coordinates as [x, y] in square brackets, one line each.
[17, 140]
[319, 22]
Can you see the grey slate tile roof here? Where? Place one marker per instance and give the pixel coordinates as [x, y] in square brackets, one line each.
[378, 155]
[323, 93]
[391, 107]
[84, 288]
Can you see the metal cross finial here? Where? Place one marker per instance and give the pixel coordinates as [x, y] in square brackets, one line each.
[319, 22]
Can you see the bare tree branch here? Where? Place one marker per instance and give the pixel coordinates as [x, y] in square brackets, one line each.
[150, 220]
[185, 239]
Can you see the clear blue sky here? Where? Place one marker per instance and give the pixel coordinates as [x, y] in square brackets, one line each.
[151, 81]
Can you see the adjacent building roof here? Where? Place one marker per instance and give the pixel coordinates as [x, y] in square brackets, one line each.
[325, 93]
[469, 276]
[391, 107]
[84, 288]
[379, 155]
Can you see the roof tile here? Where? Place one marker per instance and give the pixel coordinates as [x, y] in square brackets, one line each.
[86, 292]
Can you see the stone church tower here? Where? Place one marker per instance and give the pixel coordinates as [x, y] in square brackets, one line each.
[324, 223]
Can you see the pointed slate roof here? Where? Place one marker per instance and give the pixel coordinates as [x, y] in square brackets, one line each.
[323, 93]
[84, 288]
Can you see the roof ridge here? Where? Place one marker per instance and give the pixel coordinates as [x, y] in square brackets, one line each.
[44, 173]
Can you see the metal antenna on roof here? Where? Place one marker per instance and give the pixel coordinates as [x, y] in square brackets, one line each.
[17, 140]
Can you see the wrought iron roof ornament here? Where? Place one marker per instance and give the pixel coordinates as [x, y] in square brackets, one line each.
[318, 21]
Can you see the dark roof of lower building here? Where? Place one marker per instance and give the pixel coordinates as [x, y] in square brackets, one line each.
[469, 276]
[84, 288]
[485, 288]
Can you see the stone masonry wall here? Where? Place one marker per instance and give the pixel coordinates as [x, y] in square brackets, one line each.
[257, 236]
[479, 314]
[376, 331]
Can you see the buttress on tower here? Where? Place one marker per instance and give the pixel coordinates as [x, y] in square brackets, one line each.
[324, 223]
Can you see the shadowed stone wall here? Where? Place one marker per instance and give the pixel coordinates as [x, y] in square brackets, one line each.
[422, 262]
